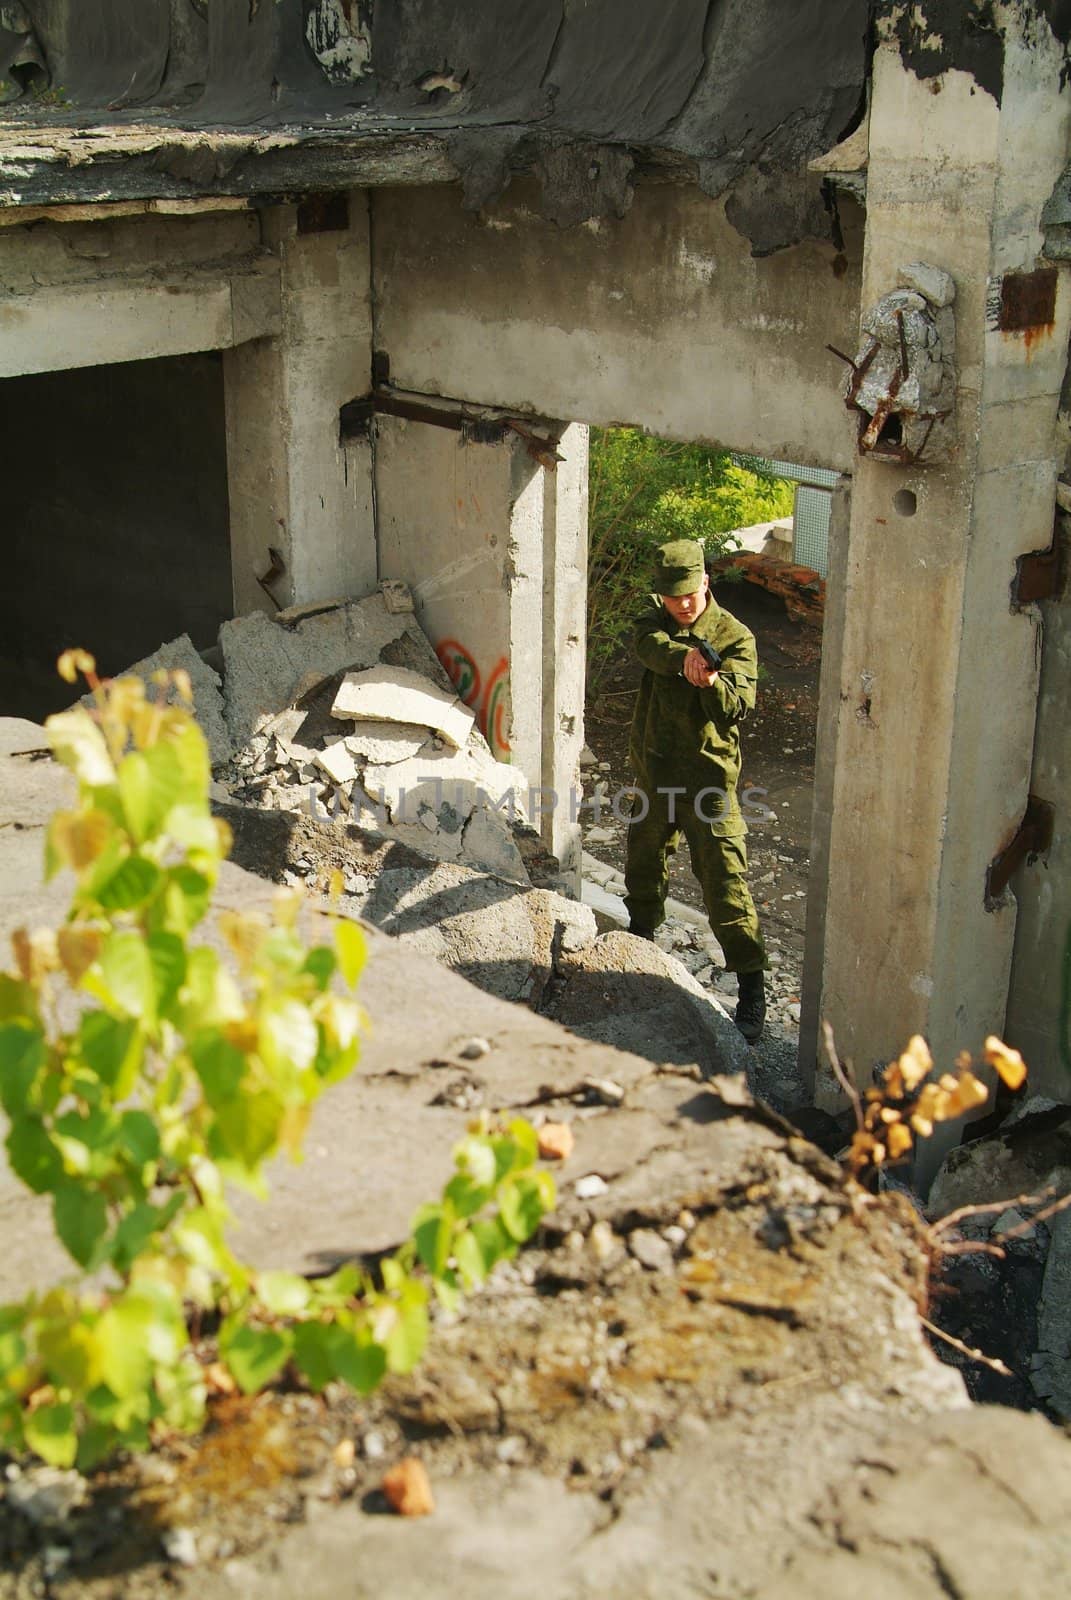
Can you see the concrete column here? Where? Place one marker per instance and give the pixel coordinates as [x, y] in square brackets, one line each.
[565, 573]
[938, 681]
[293, 486]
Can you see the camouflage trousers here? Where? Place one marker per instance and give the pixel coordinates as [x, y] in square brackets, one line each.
[720, 864]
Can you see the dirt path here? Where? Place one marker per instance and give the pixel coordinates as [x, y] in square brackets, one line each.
[778, 750]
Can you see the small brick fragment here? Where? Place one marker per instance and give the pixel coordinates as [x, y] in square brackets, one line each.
[407, 1488]
[556, 1141]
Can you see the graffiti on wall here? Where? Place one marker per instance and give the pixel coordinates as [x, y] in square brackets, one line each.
[487, 697]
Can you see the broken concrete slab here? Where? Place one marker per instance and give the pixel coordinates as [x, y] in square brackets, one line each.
[621, 986]
[207, 696]
[395, 694]
[438, 778]
[271, 662]
[338, 762]
[381, 744]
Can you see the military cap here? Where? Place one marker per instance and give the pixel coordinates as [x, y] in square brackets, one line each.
[679, 567]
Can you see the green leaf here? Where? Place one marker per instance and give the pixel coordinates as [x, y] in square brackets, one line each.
[338, 1287]
[81, 1219]
[17, 999]
[33, 1156]
[520, 1205]
[139, 1136]
[470, 1258]
[110, 1047]
[128, 974]
[352, 949]
[249, 1126]
[23, 1053]
[312, 1353]
[187, 897]
[50, 1428]
[194, 828]
[77, 741]
[466, 1196]
[96, 1442]
[210, 996]
[139, 1227]
[432, 1234]
[287, 1035]
[195, 772]
[526, 1139]
[167, 955]
[320, 962]
[283, 1292]
[219, 1065]
[124, 1354]
[254, 1355]
[407, 1339]
[495, 1244]
[356, 1358]
[475, 1156]
[133, 882]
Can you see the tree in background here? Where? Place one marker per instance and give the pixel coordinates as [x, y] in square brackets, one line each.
[643, 491]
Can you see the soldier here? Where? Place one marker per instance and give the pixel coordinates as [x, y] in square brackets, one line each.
[685, 750]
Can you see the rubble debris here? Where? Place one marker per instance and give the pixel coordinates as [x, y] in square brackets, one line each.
[556, 1141]
[394, 694]
[207, 697]
[801, 588]
[408, 1488]
[271, 663]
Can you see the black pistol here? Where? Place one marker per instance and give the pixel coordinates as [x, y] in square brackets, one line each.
[711, 656]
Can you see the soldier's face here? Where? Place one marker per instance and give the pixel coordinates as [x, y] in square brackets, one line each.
[684, 608]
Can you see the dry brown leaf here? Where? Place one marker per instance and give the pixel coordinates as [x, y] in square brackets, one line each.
[1008, 1062]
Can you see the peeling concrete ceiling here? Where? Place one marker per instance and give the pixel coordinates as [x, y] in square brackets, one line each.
[579, 91]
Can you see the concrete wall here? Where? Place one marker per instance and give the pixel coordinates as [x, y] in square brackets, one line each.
[662, 319]
[115, 518]
[447, 510]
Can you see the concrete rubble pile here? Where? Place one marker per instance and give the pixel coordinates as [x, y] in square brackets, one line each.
[343, 709]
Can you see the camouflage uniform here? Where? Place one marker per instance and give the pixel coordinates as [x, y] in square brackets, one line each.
[687, 739]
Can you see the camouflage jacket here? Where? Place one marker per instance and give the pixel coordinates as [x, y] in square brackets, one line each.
[686, 736]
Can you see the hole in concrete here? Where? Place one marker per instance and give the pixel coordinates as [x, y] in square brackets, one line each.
[905, 502]
[892, 431]
[117, 516]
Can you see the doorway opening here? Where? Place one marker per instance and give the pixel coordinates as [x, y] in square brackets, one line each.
[765, 525]
[117, 518]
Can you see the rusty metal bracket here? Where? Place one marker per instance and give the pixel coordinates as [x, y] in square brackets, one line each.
[1032, 838]
[475, 425]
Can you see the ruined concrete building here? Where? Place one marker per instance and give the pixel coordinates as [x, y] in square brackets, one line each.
[301, 295]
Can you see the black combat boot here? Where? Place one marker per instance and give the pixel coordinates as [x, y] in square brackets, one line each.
[751, 1005]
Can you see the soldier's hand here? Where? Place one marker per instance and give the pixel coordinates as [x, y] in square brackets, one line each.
[697, 671]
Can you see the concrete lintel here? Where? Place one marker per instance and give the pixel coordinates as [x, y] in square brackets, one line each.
[96, 324]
